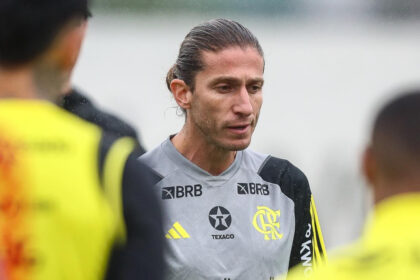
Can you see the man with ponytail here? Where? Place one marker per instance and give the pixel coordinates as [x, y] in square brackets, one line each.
[232, 213]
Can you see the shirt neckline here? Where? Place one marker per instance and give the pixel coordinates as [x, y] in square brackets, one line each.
[187, 166]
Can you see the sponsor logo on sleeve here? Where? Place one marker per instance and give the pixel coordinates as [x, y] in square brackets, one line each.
[306, 251]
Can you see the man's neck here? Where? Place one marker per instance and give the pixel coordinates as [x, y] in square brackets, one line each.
[17, 83]
[389, 188]
[205, 155]
[36, 80]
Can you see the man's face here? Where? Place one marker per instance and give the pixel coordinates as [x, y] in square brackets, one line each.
[64, 53]
[226, 102]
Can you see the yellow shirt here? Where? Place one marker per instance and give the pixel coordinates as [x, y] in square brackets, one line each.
[389, 249]
[55, 222]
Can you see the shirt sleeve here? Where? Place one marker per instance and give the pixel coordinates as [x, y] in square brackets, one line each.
[138, 250]
[140, 256]
[308, 250]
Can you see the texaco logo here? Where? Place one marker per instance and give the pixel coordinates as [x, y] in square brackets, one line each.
[220, 218]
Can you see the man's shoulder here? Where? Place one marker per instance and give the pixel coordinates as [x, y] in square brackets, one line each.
[149, 157]
[80, 105]
[279, 167]
[282, 172]
[158, 161]
[360, 260]
[53, 119]
[353, 261]
[253, 160]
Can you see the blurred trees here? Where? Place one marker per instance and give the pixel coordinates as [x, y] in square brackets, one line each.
[388, 8]
[243, 6]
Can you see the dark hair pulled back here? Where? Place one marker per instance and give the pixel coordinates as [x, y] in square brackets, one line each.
[214, 35]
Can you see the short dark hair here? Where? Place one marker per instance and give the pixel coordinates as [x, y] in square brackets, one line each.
[28, 27]
[214, 35]
[396, 135]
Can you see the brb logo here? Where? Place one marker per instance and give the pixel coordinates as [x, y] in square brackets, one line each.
[253, 188]
[182, 191]
[220, 218]
[266, 221]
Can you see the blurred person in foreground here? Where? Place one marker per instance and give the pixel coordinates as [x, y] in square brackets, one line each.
[390, 246]
[74, 204]
[232, 213]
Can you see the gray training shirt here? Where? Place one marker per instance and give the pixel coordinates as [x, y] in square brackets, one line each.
[254, 221]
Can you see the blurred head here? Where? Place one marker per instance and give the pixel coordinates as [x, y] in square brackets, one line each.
[392, 160]
[217, 81]
[44, 35]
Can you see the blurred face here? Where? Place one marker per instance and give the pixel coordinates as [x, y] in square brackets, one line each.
[52, 70]
[227, 99]
[62, 56]
[72, 46]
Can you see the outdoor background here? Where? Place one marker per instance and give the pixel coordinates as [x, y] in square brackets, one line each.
[329, 66]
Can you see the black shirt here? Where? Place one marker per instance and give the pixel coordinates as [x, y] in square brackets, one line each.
[78, 104]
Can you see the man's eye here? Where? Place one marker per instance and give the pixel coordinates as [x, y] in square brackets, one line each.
[255, 88]
[224, 88]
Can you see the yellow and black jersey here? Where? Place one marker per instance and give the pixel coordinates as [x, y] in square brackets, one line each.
[66, 191]
[388, 250]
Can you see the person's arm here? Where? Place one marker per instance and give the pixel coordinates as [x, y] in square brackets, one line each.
[138, 252]
[308, 250]
[140, 256]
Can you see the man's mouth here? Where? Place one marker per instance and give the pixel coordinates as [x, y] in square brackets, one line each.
[240, 128]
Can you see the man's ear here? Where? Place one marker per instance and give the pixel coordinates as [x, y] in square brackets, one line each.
[369, 166]
[182, 93]
[66, 47]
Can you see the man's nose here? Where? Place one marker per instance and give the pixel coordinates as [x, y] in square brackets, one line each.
[243, 104]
